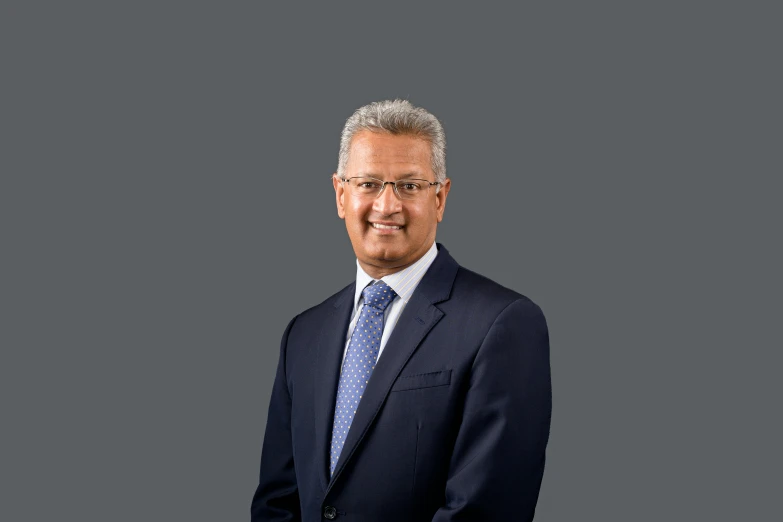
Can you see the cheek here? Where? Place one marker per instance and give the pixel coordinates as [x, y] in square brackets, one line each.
[423, 220]
[356, 212]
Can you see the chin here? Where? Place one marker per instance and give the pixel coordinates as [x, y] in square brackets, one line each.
[384, 253]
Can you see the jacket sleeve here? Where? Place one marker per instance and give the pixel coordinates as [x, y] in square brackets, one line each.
[277, 497]
[498, 459]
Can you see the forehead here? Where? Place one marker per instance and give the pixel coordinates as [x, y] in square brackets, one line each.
[380, 150]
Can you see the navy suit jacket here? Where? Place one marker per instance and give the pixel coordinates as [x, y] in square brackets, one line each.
[453, 424]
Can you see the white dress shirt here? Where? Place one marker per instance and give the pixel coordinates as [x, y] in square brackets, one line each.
[403, 283]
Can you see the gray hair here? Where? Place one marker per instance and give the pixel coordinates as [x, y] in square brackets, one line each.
[396, 117]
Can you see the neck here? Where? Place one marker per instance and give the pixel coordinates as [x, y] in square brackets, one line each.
[377, 272]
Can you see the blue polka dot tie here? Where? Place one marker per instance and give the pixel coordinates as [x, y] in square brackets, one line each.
[359, 363]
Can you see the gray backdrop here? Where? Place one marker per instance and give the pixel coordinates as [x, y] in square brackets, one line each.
[166, 209]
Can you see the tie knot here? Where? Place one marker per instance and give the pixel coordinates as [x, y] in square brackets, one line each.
[378, 295]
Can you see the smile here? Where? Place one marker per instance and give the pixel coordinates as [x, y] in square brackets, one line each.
[386, 227]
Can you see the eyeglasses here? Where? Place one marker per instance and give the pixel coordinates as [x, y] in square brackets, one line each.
[367, 187]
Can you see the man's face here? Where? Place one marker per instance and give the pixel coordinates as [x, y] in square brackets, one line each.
[387, 157]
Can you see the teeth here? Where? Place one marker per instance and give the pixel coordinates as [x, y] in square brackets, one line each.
[387, 227]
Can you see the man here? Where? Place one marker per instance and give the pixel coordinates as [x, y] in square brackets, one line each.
[420, 392]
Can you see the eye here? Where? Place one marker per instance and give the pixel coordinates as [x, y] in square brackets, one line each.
[410, 186]
[367, 184]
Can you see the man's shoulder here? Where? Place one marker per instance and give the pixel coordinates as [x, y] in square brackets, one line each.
[477, 284]
[327, 306]
[482, 293]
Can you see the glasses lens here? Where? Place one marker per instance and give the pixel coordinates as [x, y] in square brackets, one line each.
[365, 186]
[411, 189]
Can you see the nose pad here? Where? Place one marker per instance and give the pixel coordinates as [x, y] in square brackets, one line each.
[387, 201]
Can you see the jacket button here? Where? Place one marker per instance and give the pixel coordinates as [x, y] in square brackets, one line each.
[330, 513]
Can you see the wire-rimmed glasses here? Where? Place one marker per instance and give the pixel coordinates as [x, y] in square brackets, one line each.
[408, 188]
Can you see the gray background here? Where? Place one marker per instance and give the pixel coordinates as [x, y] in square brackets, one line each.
[166, 208]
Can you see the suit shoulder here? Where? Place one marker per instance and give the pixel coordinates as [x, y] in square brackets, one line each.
[327, 305]
[483, 291]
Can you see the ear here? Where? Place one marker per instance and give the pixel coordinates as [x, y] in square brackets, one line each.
[339, 193]
[440, 198]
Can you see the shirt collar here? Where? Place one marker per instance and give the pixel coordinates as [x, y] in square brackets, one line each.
[403, 282]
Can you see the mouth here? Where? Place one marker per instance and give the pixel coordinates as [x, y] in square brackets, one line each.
[381, 227]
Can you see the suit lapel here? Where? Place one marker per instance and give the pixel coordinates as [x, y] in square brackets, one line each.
[416, 320]
[328, 359]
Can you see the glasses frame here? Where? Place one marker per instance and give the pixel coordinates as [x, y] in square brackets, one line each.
[394, 185]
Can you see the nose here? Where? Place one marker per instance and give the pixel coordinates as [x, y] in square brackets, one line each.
[387, 202]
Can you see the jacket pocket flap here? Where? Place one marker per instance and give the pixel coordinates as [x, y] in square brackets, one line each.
[422, 380]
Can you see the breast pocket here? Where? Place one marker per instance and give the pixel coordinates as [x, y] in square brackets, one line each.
[422, 380]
